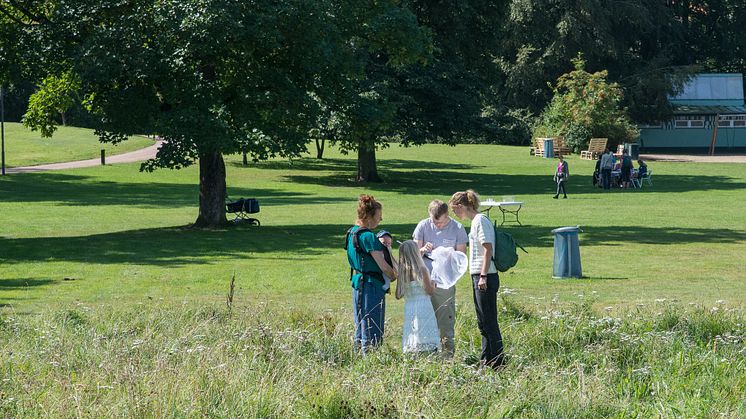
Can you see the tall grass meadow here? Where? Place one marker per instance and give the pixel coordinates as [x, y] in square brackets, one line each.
[270, 360]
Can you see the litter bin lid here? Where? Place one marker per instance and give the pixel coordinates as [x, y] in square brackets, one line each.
[566, 230]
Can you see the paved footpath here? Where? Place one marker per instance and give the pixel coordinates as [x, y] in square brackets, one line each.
[132, 156]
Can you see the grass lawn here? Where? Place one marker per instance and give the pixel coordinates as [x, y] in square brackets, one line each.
[121, 309]
[24, 147]
[119, 233]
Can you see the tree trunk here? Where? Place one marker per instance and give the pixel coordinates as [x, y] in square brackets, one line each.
[320, 148]
[366, 162]
[211, 190]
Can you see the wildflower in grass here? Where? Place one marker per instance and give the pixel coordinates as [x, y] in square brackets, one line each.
[643, 371]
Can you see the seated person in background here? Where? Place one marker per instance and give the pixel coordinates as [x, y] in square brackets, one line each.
[617, 165]
[642, 170]
[597, 174]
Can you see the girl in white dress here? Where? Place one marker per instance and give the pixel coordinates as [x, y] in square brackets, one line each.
[420, 327]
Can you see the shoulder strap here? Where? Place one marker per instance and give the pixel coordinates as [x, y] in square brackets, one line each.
[356, 239]
[359, 250]
[494, 250]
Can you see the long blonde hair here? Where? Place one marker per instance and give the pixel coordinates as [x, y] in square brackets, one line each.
[411, 267]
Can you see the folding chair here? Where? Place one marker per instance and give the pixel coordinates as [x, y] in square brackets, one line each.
[648, 177]
[241, 208]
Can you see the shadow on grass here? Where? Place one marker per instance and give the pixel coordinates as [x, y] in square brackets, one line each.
[176, 247]
[443, 182]
[20, 283]
[13, 284]
[349, 166]
[84, 190]
[540, 236]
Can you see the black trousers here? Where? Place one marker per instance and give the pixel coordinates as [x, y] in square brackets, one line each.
[485, 302]
[561, 187]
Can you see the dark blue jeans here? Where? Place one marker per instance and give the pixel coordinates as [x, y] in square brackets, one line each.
[369, 309]
[606, 178]
[485, 302]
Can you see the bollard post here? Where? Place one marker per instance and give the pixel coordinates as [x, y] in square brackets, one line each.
[103, 157]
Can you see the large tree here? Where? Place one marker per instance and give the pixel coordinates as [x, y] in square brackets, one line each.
[437, 99]
[640, 42]
[210, 76]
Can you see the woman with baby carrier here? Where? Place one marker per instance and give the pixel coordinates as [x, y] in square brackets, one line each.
[365, 255]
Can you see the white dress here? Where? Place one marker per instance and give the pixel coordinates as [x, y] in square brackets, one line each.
[420, 327]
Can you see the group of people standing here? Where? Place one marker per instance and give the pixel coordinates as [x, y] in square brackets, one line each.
[608, 164]
[429, 310]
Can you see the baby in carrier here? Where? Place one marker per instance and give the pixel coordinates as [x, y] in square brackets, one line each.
[387, 240]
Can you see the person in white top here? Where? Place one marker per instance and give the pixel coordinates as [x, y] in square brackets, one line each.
[484, 276]
[607, 164]
[440, 230]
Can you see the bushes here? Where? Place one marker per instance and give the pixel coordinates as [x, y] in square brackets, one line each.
[584, 106]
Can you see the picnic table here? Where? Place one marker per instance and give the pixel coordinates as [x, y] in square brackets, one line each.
[509, 210]
[616, 177]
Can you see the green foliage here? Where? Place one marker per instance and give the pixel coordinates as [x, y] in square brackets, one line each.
[260, 361]
[55, 96]
[216, 77]
[640, 42]
[584, 106]
[437, 98]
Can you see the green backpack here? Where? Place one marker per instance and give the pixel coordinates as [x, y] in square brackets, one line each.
[505, 254]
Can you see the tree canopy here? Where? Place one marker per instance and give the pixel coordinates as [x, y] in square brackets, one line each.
[439, 98]
[585, 105]
[210, 76]
[216, 77]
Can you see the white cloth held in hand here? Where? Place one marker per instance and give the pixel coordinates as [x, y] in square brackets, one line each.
[448, 266]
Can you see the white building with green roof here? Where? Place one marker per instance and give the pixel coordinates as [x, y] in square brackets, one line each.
[706, 98]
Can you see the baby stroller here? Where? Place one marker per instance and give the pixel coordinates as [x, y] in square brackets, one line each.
[241, 209]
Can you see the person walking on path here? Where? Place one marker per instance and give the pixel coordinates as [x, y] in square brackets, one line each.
[367, 267]
[440, 230]
[484, 277]
[607, 164]
[560, 176]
